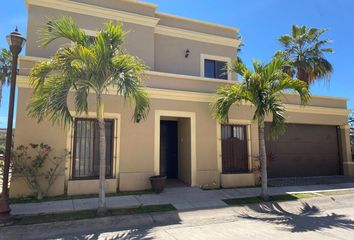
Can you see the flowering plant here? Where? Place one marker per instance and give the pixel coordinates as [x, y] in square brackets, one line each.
[29, 161]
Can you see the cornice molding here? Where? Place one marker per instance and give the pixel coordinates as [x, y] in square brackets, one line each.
[159, 14]
[96, 11]
[188, 77]
[154, 6]
[166, 94]
[196, 36]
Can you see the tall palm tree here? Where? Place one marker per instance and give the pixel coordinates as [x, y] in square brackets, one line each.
[305, 50]
[351, 133]
[5, 68]
[239, 49]
[86, 65]
[264, 88]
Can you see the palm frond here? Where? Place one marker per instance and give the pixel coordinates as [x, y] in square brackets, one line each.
[305, 49]
[50, 101]
[277, 110]
[5, 66]
[62, 27]
[127, 78]
[81, 104]
[225, 97]
[285, 40]
[140, 99]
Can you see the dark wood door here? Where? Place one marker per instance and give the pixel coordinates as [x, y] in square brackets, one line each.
[303, 151]
[169, 149]
[234, 149]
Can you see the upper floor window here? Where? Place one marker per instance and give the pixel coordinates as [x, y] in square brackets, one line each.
[214, 67]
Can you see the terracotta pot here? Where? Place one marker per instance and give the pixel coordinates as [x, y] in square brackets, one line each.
[158, 183]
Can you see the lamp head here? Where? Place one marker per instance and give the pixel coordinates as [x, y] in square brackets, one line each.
[16, 41]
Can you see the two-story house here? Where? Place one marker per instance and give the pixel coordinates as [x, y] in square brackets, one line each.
[179, 138]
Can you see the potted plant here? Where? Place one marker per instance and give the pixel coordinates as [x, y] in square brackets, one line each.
[158, 183]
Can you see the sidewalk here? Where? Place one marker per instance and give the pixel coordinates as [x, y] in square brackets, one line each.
[182, 198]
[318, 218]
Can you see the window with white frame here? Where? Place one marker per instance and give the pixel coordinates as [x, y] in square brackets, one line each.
[214, 67]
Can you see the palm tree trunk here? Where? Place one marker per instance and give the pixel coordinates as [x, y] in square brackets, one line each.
[102, 210]
[263, 160]
[303, 76]
[1, 85]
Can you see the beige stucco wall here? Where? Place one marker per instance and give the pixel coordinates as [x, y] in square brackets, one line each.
[318, 101]
[135, 167]
[29, 131]
[159, 52]
[310, 118]
[345, 150]
[139, 40]
[170, 54]
[83, 187]
[238, 180]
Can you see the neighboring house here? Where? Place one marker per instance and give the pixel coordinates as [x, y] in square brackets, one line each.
[180, 138]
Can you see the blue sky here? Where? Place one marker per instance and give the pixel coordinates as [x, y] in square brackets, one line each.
[260, 22]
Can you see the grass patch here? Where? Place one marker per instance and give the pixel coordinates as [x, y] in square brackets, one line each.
[337, 192]
[276, 198]
[291, 197]
[242, 201]
[89, 214]
[64, 197]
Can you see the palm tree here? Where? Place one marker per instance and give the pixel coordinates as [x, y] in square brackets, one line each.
[305, 51]
[264, 88]
[351, 124]
[5, 68]
[351, 131]
[86, 65]
[239, 49]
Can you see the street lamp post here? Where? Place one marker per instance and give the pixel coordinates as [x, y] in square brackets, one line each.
[16, 43]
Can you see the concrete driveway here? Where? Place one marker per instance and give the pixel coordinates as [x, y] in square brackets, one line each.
[326, 217]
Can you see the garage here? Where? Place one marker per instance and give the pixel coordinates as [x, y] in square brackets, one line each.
[303, 151]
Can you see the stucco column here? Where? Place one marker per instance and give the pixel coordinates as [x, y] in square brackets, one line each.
[348, 164]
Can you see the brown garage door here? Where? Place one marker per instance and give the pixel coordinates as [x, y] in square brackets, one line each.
[303, 150]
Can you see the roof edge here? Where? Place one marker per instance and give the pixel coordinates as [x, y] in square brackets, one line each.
[198, 21]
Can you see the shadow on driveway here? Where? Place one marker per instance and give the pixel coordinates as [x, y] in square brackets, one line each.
[131, 234]
[308, 219]
[125, 227]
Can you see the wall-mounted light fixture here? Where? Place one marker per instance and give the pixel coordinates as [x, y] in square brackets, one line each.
[187, 53]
